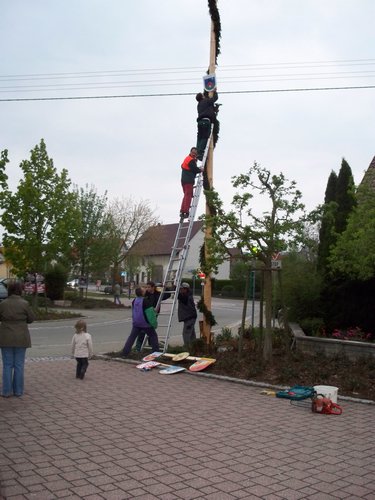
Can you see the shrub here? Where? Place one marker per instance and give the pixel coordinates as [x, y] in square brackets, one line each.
[281, 338]
[228, 291]
[42, 301]
[71, 295]
[197, 346]
[225, 336]
[42, 315]
[247, 332]
[56, 278]
[313, 327]
[301, 287]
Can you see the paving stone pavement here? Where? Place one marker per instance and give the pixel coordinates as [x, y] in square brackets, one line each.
[122, 433]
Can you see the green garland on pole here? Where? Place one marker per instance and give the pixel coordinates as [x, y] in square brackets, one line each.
[210, 318]
[216, 131]
[215, 17]
[207, 266]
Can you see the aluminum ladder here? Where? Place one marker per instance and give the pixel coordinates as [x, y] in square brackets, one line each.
[173, 275]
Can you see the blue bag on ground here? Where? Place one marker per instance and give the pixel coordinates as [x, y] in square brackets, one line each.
[296, 393]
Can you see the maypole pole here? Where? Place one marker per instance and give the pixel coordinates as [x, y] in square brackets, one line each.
[207, 291]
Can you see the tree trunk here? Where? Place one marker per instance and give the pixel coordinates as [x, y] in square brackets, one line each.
[267, 344]
[244, 309]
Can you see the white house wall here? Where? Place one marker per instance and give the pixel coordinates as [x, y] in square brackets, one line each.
[192, 261]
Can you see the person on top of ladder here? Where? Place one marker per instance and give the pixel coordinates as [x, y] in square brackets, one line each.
[189, 171]
[206, 116]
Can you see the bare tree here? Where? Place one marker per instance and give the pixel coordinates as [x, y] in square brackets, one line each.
[130, 219]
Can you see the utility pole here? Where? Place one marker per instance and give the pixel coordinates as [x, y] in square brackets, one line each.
[207, 293]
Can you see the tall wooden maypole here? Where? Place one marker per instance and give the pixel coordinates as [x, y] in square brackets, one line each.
[207, 293]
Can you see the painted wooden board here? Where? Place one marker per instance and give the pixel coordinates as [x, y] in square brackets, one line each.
[148, 365]
[181, 356]
[170, 370]
[152, 356]
[201, 364]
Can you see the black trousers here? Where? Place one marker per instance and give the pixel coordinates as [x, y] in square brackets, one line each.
[204, 131]
[82, 364]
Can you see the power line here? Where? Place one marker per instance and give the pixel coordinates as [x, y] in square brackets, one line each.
[130, 96]
[145, 80]
[191, 81]
[295, 64]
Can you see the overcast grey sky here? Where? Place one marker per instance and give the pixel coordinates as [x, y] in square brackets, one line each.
[134, 146]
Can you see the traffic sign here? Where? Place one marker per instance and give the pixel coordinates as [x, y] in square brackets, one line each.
[275, 264]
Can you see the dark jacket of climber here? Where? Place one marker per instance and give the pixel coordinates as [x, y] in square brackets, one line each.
[206, 116]
[206, 108]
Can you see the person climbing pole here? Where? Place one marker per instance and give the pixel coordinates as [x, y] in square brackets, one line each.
[206, 116]
[189, 171]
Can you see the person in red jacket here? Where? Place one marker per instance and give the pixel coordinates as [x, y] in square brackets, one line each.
[189, 171]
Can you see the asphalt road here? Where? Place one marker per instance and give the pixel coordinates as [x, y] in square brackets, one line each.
[110, 328]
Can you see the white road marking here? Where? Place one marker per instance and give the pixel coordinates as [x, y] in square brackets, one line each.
[58, 327]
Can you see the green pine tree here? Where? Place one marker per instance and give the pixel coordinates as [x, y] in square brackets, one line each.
[327, 236]
[345, 196]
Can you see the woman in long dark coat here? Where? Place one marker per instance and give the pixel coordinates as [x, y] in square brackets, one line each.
[15, 314]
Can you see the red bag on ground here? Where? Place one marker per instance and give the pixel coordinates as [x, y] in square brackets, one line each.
[325, 405]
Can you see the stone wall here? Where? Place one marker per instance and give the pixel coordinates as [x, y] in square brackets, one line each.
[331, 347]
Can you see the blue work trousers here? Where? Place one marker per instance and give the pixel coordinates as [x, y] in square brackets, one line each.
[151, 334]
[13, 370]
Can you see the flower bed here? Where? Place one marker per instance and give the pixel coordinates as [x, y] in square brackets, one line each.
[353, 333]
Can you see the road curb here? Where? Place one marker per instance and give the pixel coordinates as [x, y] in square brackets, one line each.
[224, 378]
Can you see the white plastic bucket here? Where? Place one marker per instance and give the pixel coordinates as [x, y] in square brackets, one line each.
[327, 391]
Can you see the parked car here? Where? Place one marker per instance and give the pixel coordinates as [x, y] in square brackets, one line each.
[5, 281]
[73, 283]
[109, 289]
[3, 292]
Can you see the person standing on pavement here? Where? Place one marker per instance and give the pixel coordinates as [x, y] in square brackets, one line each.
[144, 320]
[153, 295]
[81, 348]
[187, 313]
[15, 315]
[189, 171]
[117, 294]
